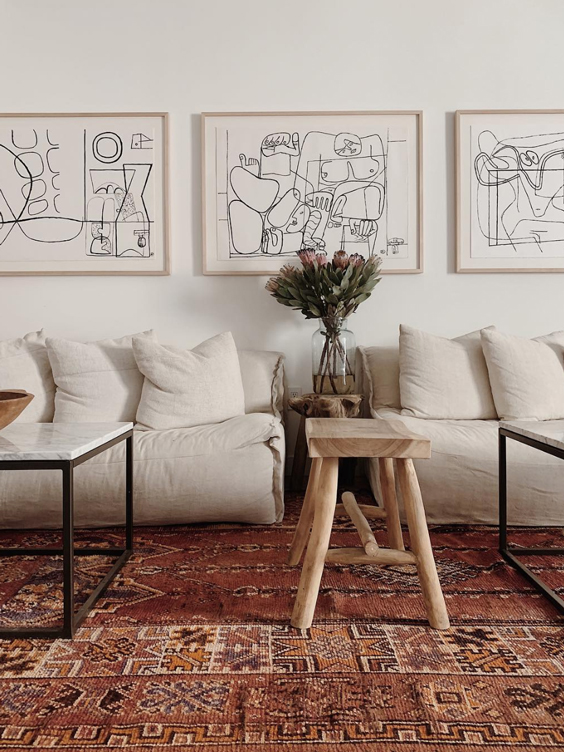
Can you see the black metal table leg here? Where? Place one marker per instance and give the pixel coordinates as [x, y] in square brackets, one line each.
[68, 550]
[502, 493]
[72, 619]
[129, 493]
[510, 553]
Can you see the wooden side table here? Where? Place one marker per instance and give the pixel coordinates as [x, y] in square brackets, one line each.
[320, 406]
[328, 440]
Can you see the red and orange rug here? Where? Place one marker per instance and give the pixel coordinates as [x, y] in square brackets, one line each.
[191, 648]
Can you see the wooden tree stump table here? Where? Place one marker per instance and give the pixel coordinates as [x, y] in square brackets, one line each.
[389, 441]
[321, 406]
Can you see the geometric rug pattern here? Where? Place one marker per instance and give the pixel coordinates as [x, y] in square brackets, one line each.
[191, 648]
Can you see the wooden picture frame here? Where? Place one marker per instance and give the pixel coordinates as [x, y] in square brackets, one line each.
[274, 167]
[84, 194]
[509, 191]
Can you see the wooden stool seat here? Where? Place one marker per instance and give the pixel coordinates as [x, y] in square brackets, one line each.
[329, 439]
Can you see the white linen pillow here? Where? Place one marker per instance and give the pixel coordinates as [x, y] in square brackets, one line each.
[526, 375]
[186, 388]
[24, 364]
[96, 382]
[444, 379]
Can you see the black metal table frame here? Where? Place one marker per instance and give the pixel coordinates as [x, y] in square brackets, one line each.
[72, 619]
[508, 552]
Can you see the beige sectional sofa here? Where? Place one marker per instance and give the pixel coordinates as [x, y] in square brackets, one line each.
[228, 471]
[460, 482]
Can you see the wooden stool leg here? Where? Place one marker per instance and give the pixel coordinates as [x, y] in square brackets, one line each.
[306, 515]
[300, 457]
[421, 545]
[314, 561]
[388, 486]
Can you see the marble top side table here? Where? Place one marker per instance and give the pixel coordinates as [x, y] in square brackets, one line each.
[64, 446]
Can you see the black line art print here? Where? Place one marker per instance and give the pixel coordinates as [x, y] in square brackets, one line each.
[82, 193]
[519, 193]
[278, 192]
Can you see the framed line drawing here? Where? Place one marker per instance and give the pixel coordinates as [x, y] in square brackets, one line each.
[510, 190]
[275, 182]
[84, 193]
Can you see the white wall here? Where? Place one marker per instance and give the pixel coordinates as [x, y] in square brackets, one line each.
[189, 56]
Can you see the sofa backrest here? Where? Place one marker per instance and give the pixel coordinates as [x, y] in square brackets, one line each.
[380, 376]
[263, 381]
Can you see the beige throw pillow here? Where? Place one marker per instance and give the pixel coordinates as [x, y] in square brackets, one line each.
[96, 382]
[24, 364]
[527, 375]
[444, 379]
[186, 388]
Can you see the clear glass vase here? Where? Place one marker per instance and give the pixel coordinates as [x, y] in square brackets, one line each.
[333, 349]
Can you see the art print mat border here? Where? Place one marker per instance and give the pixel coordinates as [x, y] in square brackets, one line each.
[460, 269]
[166, 270]
[419, 269]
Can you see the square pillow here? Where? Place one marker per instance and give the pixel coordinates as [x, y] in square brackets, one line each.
[444, 379]
[526, 375]
[186, 388]
[97, 382]
[24, 364]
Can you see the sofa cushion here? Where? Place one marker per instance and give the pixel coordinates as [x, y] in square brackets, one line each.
[185, 388]
[262, 373]
[230, 471]
[460, 482]
[526, 375]
[96, 381]
[444, 379]
[380, 366]
[24, 364]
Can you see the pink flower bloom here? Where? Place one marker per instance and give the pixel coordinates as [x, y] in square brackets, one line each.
[340, 260]
[307, 256]
[321, 259]
[356, 259]
[272, 285]
[287, 270]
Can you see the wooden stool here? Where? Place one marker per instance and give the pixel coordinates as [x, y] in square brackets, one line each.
[331, 438]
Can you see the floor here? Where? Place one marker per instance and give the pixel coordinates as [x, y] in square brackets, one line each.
[191, 648]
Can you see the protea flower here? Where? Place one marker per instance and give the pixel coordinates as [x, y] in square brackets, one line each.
[307, 256]
[321, 259]
[272, 285]
[356, 259]
[340, 259]
[287, 270]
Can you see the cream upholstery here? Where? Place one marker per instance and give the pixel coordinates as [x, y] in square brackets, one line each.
[228, 471]
[459, 483]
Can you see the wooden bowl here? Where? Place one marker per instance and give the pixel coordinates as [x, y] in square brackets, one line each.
[12, 403]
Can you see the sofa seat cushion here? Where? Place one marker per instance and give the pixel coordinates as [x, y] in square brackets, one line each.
[230, 471]
[216, 438]
[460, 482]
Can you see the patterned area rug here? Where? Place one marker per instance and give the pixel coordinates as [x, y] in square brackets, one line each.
[191, 648]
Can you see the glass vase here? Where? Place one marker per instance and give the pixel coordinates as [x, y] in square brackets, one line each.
[333, 348]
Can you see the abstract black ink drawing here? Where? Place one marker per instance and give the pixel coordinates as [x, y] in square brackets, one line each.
[79, 195]
[276, 191]
[520, 190]
[319, 190]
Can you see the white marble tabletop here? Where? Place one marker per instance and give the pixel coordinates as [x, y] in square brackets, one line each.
[55, 441]
[550, 432]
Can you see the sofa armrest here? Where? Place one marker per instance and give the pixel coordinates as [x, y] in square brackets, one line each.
[263, 381]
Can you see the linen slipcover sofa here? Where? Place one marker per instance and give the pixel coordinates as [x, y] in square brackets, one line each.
[460, 482]
[229, 471]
